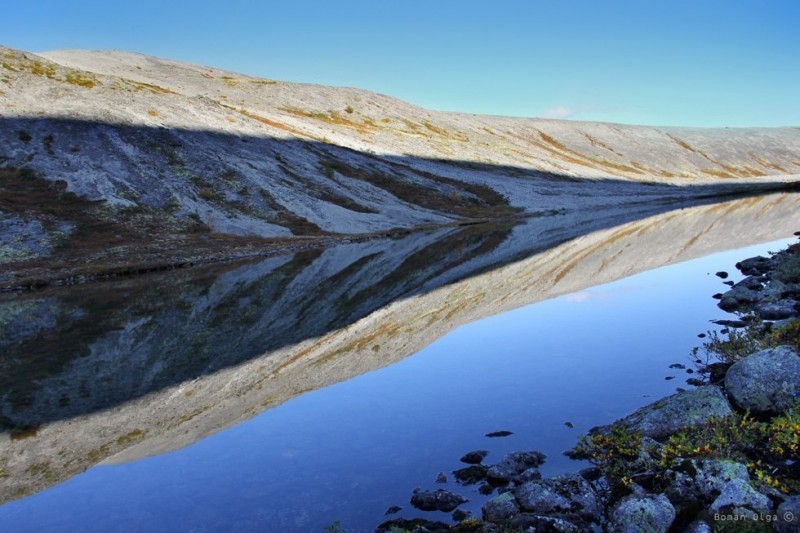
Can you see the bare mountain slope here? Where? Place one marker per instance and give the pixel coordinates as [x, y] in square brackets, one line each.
[106, 155]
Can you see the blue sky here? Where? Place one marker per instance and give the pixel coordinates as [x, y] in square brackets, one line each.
[691, 63]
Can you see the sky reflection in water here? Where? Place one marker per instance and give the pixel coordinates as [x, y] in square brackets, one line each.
[349, 451]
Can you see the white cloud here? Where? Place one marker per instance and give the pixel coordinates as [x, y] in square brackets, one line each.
[567, 111]
[562, 111]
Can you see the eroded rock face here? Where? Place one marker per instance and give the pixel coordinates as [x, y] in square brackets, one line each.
[647, 514]
[788, 515]
[661, 419]
[766, 382]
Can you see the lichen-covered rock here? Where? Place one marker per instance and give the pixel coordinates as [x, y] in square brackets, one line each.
[514, 464]
[703, 480]
[500, 508]
[526, 522]
[739, 493]
[661, 419]
[698, 526]
[788, 515]
[766, 382]
[647, 514]
[568, 496]
[439, 500]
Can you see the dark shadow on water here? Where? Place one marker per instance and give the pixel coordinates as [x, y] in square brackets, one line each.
[72, 351]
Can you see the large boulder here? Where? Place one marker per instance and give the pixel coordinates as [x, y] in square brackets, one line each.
[702, 479]
[513, 464]
[645, 514]
[788, 515]
[767, 382]
[567, 496]
[661, 419]
[739, 493]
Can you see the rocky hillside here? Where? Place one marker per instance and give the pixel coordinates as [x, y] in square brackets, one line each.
[122, 160]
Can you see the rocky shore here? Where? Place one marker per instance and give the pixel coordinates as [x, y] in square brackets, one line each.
[721, 456]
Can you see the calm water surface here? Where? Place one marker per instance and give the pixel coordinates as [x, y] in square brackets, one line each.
[349, 451]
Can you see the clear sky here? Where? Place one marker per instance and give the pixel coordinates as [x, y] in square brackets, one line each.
[676, 62]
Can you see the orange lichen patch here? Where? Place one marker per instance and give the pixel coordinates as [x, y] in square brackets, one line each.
[599, 144]
[569, 155]
[273, 123]
[334, 117]
[152, 112]
[768, 164]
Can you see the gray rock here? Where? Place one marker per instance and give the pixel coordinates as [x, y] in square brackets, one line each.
[703, 480]
[754, 283]
[648, 514]
[661, 419]
[754, 266]
[439, 500]
[568, 496]
[737, 297]
[777, 310]
[474, 457]
[514, 464]
[530, 522]
[698, 526]
[765, 382]
[788, 515]
[500, 508]
[739, 493]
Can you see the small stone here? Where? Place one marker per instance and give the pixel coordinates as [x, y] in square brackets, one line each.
[441, 478]
[677, 365]
[698, 526]
[729, 283]
[393, 509]
[459, 515]
[486, 489]
[722, 274]
[570, 425]
[470, 475]
[439, 500]
[474, 457]
[502, 433]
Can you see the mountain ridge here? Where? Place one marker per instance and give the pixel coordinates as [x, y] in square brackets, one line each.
[198, 154]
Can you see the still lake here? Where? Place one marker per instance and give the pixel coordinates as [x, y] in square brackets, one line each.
[589, 346]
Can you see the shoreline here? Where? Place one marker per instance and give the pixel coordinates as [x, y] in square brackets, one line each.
[717, 456]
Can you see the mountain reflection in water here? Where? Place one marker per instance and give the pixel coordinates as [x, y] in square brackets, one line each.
[120, 370]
